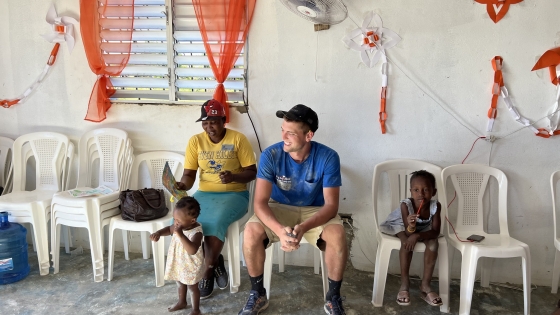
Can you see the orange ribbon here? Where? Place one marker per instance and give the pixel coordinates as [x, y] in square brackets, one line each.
[501, 5]
[382, 113]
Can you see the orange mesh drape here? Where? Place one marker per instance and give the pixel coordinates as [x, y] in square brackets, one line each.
[224, 25]
[91, 20]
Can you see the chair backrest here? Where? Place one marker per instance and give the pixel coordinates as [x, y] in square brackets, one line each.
[470, 182]
[6, 145]
[51, 151]
[113, 150]
[554, 178]
[398, 173]
[155, 162]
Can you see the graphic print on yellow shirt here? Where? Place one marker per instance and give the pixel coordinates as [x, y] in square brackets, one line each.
[231, 154]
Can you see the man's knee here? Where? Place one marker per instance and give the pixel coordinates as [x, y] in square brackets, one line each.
[253, 233]
[334, 235]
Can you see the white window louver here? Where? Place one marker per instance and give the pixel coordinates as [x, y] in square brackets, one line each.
[168, 62]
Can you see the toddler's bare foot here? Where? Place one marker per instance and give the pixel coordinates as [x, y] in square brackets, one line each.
[178, 306]
[195, 312]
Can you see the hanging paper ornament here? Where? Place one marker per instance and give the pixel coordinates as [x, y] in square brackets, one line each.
[499, 89]
[372, 41]
[497, 9]
[62, 31]
[551, 59]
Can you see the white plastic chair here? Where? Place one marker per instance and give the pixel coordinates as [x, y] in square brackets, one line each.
[268, 267]
[6, 145]
[155, 161]
[470, 182]
[555, 217]
[398, 173]
[113, 150]
[232, 243]
[51, 152]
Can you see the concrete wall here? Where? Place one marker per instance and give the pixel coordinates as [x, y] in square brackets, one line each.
[440, 83]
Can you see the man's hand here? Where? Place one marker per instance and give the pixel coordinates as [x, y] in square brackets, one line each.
[155, 236]
[226, 177]
[289, 241]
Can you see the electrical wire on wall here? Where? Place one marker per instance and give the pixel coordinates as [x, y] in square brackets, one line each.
[246, 101]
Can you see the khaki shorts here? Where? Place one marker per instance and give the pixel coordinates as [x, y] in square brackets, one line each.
[291, 216]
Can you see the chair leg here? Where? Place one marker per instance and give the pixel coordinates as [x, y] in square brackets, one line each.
[144, 237]
[159, 259]
[111, 252]
[324, 275]
[55, 245]
[65, 232]
[468, 274]
[125, 243]
[41, 238]
[526, 264]
[556, 272]
[443, 266]
[317, 263]
[33, 242]
[380, 276]
[233, 250]
[96, 243]
[267, 275]
[281, 257]
[485, 271]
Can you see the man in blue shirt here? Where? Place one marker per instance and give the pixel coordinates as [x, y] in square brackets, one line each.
[296, 195]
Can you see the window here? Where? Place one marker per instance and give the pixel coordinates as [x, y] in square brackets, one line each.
[168, 63]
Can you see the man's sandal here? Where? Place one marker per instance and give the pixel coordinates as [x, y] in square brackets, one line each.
[403, 298]
[431, 298]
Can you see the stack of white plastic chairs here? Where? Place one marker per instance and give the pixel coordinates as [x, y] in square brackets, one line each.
[52, 152]
[112, 148]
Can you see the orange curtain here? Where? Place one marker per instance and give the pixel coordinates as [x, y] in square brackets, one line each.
[224, 25]
[91, 20]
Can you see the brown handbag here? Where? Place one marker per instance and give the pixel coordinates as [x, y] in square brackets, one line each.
[143, 204]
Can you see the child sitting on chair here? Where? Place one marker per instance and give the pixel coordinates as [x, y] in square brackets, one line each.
[185, 258]
[417, 219]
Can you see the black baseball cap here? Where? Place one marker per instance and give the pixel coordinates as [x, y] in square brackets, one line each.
[301, 113]
[211, 109]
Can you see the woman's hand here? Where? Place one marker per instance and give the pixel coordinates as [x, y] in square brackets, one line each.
[226, 177]
[180, 185]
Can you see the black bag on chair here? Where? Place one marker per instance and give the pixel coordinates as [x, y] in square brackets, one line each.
[143, 204]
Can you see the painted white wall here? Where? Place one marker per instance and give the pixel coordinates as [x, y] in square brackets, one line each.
[445, 53]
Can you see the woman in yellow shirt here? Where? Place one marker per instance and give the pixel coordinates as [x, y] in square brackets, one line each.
[227, 163]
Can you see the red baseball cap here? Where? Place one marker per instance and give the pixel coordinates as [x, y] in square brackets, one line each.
[210, 109]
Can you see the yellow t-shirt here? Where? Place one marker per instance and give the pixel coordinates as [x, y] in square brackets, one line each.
[231, 154]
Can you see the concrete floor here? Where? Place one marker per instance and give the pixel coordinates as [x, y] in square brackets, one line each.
[297, 291]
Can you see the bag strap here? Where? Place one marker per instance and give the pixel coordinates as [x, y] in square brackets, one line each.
[148, 202]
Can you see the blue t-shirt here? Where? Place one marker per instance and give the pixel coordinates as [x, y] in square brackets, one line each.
[300, 184]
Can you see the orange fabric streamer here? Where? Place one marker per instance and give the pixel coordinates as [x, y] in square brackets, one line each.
[225, 22]
[90, 13]
[501, 5]
[550, 59]
[498, 83]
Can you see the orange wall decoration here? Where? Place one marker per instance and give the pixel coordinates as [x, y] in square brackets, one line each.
[497, 9]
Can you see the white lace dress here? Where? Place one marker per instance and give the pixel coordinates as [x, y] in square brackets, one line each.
[394, 223]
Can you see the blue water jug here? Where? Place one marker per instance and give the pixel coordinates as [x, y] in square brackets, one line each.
[14, 264]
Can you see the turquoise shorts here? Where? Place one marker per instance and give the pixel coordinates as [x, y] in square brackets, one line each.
[220, 209]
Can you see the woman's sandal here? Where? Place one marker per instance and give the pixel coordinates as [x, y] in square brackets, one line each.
[403, 298]
[431, 298]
